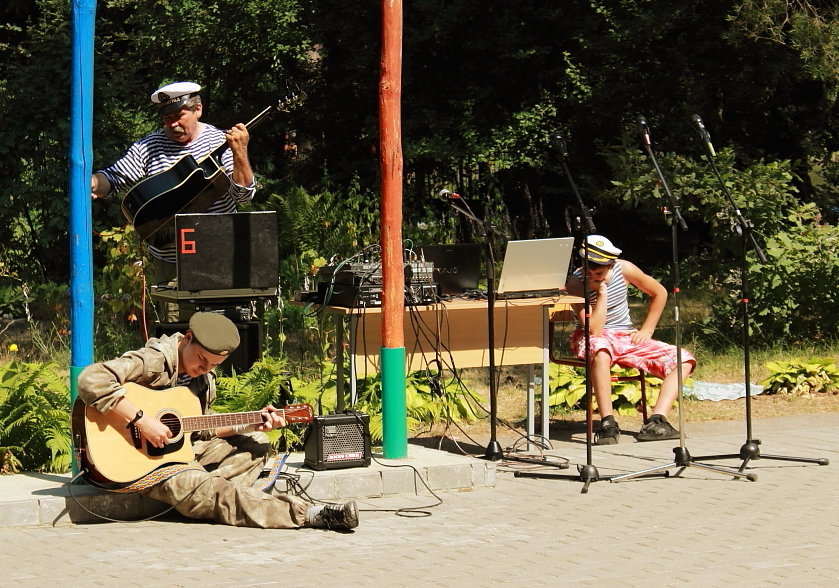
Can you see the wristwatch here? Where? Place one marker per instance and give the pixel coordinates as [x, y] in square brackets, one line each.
[136, 418]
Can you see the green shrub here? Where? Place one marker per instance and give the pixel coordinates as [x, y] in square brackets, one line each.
[802, 378]
[267, 382]
[793, 297]
[568, 389]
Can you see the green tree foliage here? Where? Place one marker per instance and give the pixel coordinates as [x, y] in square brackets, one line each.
[811, 29]
[33, 93]
[793, 297]
[484, 87]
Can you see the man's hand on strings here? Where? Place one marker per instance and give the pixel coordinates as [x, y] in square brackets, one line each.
[272, 418]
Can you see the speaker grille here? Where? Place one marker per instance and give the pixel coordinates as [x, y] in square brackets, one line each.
[342, 443]
[338, 441]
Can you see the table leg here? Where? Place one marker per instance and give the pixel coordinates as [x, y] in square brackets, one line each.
[546, 371]
[353, 374]
[339, 362]
[531, 405]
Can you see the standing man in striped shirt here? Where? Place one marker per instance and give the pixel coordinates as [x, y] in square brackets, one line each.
[182, 133]
[614, 340]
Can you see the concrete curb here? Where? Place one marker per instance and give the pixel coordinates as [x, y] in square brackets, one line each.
[33, 499]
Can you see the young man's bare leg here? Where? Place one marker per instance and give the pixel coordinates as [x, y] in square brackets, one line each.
[657, 426]
[601, 383]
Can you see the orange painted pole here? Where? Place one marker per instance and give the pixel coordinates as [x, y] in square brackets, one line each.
[394, 415]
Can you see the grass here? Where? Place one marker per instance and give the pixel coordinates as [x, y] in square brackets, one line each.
[512, 407]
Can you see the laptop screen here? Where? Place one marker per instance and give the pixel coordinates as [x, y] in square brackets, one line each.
[457, 268]
[227, 251]
[535, 266]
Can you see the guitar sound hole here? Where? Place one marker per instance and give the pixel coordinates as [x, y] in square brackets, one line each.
[176, 441]
[173, 422]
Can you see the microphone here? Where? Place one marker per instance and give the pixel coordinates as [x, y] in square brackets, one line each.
[559, 144]
[703, 133]
[447, 194]
[645, 130]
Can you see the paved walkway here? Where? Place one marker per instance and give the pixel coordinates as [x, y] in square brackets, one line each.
[697, 528]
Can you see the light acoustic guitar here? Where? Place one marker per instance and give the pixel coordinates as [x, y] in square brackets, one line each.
[113, 456]
[188, 186]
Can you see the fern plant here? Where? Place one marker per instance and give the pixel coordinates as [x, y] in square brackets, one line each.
[429, 398]
[267, 382]
[34, 418]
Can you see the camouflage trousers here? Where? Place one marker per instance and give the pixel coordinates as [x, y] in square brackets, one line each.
[221, 489]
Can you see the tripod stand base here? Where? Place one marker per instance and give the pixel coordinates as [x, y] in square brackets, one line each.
[588, 474]
[683, 460]
[562, 465]
[751, 450]
[493, 451]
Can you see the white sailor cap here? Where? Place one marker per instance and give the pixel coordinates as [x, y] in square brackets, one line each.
[600, 250]
[172, 97]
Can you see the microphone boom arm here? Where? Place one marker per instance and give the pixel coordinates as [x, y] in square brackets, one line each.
[674, 204]
[586, 211]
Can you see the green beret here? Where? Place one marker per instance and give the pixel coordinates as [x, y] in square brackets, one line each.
[214, 332]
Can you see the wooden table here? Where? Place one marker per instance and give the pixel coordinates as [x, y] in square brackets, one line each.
[455, 334]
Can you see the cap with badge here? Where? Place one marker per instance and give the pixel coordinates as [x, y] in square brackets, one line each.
[173, 97]
[600, 250]
[214, 332]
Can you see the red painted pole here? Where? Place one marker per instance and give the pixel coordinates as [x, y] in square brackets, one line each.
[394, 417]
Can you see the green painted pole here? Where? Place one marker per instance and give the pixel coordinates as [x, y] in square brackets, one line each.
[394, 420]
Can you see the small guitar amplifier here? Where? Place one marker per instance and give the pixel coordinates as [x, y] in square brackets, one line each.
[339, 440]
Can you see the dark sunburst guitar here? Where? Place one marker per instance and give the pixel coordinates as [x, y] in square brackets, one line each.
[189, 186]
[113, 456]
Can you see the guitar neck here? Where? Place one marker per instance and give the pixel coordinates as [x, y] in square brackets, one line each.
[252, 123]
[215, 421]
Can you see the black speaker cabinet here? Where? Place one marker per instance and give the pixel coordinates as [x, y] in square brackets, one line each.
[338, 441]
[241, 360]
[227, 251]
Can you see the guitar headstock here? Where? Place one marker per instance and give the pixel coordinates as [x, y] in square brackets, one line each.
[291, 101]
[299, 413]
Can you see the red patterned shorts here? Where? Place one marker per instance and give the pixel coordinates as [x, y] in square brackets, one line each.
[654, 357]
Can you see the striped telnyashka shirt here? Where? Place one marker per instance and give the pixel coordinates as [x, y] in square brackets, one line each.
[617, 309]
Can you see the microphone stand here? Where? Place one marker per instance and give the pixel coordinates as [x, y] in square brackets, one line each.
[683, 458]
[587, 473]
[493, 450]
[751, 448]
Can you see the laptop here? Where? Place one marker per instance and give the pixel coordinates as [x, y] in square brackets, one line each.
[457, 267]
[227, 251]
[535, 268]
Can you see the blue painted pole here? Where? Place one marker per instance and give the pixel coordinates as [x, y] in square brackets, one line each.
[81, 167]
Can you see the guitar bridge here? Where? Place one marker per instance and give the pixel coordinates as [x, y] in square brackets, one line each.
[135, 436]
